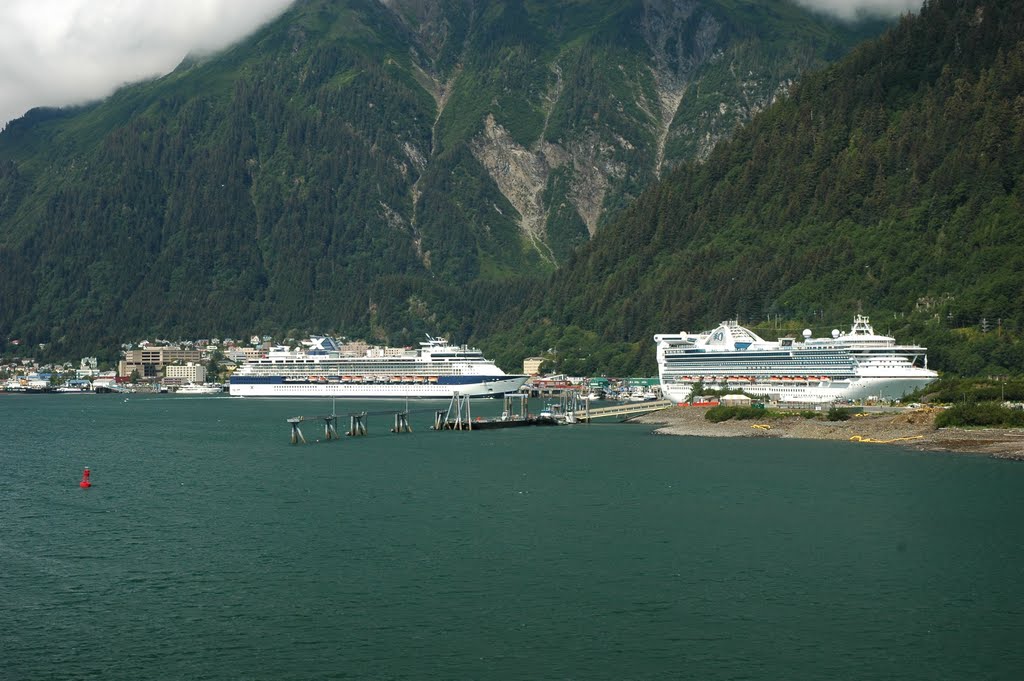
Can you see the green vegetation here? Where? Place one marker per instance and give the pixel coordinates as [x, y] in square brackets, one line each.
[837, 414]
[952, 390]
[890, 183]
[306, 178]
[723, 413]
[991, 414]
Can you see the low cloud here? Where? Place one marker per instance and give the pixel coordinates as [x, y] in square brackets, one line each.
[64, 52]
[849, 10]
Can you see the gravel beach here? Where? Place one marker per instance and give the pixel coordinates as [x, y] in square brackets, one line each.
[910, 430]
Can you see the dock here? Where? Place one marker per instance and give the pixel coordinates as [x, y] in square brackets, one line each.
[626, 410]
[516, 414]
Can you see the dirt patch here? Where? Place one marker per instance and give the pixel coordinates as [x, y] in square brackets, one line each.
[908, 429]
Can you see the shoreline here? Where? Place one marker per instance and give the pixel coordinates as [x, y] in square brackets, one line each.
[913, 430]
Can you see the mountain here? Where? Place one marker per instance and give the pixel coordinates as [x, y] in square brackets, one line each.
[380, 169]
[890, 184]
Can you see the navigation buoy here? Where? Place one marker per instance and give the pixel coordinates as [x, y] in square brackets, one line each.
[85, 479]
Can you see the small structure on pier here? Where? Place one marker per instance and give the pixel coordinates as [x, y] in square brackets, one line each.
[516, 413]
[462, 419]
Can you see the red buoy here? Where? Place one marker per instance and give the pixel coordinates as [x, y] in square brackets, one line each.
[85, 479]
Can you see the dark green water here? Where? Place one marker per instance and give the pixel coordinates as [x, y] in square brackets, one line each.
[210, 548]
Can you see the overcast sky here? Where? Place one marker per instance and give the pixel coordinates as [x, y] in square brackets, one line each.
[61, 52]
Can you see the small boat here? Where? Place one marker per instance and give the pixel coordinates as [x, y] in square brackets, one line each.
[194, 389]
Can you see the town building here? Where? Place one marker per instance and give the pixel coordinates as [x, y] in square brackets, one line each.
[150, 361]
[179, 374]
[531, 365]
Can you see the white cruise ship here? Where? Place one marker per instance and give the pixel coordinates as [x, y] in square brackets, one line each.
[851, 366]
[320, 369]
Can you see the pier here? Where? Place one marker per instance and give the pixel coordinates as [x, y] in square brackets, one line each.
[330, 429]
[515, 414]
[626, 410]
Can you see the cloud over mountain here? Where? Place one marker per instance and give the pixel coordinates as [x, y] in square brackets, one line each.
[62, 52]
[855, 9]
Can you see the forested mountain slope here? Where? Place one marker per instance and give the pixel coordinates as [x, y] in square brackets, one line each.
[888, 184]
[379, 169]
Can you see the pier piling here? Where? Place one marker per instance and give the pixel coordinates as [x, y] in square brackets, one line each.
[296, 433]
[330, 428]
[402, 423]
[357, 424]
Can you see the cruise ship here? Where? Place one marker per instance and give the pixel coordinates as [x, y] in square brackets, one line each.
[319, 368]
[847, 366]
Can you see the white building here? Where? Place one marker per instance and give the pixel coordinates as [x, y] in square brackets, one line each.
[185, 373]
[734, 401]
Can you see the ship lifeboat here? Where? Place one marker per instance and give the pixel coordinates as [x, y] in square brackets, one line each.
[431, 379]
[346, 379]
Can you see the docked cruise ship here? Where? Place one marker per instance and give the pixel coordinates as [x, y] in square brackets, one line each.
[319, 368]
[851, 366]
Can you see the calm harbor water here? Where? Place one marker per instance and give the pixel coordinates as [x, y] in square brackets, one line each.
[210, 548]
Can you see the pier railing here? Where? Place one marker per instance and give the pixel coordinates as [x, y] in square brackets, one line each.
[623, 410]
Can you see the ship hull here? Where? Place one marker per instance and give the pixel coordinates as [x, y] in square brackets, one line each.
[877, 387]
[444, 388]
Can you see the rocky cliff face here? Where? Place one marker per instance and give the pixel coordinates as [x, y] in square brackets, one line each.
[610, 120]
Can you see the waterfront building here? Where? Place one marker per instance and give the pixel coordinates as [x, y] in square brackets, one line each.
[185, 373]
[150, 361]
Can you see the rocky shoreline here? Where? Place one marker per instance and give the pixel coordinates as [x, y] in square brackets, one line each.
[910, 430]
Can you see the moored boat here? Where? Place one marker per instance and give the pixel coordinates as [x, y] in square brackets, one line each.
[855, 365]
[437, 369]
